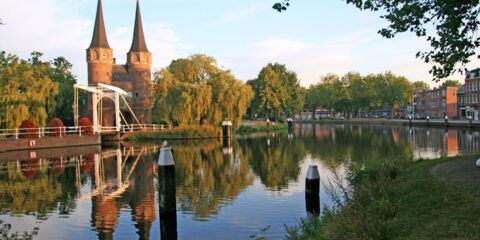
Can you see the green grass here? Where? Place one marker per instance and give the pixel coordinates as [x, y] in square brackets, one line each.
[243, 129]
[182, 132]
[398, 200]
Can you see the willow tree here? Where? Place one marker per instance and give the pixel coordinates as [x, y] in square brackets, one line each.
[195, 90]
[26, 89]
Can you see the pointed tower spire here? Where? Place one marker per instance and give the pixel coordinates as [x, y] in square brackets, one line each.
[99, 39]
[138, 44]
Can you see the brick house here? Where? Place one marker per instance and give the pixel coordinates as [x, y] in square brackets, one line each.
[472, 93]
[436, 103]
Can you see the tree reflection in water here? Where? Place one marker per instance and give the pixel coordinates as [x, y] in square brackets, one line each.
[275, 159]
[207, 178]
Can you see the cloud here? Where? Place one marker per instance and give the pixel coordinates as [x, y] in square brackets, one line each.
[239, 13]
[363, 51]
[50, 26]
[278, 47]
[56, 28]
[309, 60]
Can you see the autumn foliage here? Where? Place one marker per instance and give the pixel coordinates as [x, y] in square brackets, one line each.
[28, 129]
[57, 127]
[86, 126]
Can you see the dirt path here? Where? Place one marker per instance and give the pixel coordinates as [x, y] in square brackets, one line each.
[462, 174]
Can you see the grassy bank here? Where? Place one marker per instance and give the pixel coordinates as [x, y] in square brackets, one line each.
[398, 200]
[243, 129]
[182, 132]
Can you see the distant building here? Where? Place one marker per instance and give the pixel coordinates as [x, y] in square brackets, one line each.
[462, 110]
[436, 103]
[472, 93]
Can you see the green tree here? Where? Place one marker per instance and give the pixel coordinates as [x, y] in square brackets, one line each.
[26, 89]
[449, 26]
[277, 92]
[451, 83]
[269, 93]
[363, 92]
[196, 90]
[61, 105]
[312, 95]
[294, 97]
[331, 93]
[420, 85]
[393, 90]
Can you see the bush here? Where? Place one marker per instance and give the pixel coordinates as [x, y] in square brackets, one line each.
[57, 126]
[182, 132]
[252, 129]
[28, 129]
[86, 126]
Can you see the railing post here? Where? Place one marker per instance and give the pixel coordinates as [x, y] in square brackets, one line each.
[39, 133]
[79, 131]
[16, 133]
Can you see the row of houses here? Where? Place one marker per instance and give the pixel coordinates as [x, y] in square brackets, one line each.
[455, 102]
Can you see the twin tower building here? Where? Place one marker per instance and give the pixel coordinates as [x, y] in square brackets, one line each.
[133, 77]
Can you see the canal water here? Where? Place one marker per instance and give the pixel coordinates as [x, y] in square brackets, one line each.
[250, 190]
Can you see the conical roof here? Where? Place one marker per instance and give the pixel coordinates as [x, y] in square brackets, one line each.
[99, 39]
[138, 43]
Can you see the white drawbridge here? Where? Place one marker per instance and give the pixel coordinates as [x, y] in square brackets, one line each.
[98, 92]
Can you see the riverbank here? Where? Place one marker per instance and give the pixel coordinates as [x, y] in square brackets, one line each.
[247, 127]
[182, 132]
[382, 121]
[400, 200]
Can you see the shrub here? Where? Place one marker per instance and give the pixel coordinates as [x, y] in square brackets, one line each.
[251, 129]
[57, 126]
[86, 126]
[182, 132]
[28, 129]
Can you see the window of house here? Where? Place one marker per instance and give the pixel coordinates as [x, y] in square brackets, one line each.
[136, 94]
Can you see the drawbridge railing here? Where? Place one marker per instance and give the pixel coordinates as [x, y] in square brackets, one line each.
[16, 133]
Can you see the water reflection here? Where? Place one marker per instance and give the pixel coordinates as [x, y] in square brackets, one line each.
[273, 159]
[221, 189]
[208, 178]
[124, 179]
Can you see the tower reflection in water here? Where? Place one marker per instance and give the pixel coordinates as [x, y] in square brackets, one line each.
[123, 179]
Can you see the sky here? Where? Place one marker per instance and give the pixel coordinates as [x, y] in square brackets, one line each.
[312, 38]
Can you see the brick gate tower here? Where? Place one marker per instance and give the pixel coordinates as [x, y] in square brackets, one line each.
[133, 77]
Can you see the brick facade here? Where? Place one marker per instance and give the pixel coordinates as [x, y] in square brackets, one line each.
[437, 103]
[133, 77]
[472, 93]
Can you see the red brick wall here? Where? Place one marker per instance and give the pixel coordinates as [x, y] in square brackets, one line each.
[49, 153]
[48, 142]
